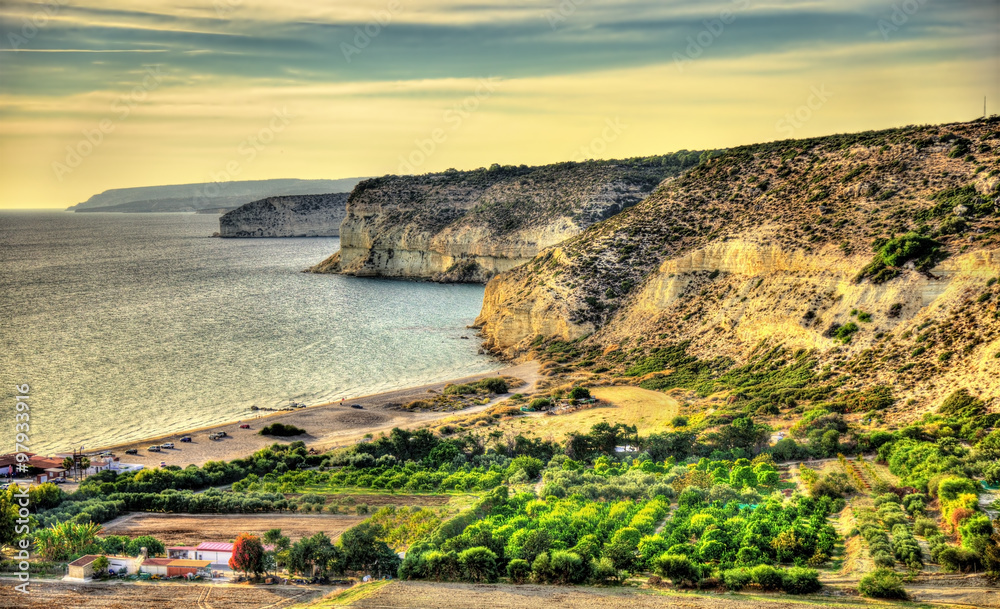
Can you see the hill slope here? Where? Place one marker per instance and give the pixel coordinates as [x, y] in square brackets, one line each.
[470, 225]
[790, 243]
[290, 216]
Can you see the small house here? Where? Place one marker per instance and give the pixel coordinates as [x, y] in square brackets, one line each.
[50, 474]
[82, 569]
[182, 552]
[172, 567]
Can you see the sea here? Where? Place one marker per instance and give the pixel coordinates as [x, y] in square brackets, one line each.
[127, 326]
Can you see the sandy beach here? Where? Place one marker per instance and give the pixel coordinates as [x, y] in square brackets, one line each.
[327, 425]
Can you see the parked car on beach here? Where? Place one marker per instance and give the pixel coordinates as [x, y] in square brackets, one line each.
[244, 426]
[167, 445]
[154, 448]
[186, 439]
[358, 406]
[132, 451]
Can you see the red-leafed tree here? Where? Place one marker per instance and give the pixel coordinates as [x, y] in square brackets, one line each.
[248, 555]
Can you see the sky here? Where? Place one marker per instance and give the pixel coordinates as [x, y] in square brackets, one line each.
[108, 94]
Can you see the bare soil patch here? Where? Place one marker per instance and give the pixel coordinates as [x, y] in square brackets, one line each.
[186, 529]
[360, 418]
[424, 595]
[47, 594]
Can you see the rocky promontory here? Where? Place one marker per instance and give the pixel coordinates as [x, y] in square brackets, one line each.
[467, 226]
[287, 216]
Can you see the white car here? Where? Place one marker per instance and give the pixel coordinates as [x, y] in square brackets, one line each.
[167, 445]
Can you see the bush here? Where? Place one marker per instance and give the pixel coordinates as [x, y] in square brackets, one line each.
[282, 430]
[518, 570]
[924, 527]
[478, 564]
[678, 568]
[679, 421]
[798, 580]
[540, 403]
[767, 577]
[736, 579]
[494, 385]
[566, 568]
[882, 583]
[579, 393]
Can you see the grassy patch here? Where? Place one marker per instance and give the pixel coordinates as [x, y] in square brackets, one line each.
[345, 597]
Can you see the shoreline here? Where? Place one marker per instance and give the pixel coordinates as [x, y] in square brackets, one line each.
[328, 425]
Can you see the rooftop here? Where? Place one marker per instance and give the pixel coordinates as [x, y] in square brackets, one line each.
[215, 546]
[190, 563]
[84, 560]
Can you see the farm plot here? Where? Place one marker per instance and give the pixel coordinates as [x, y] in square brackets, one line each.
[47, 594]
[184, 529]
[423, 595]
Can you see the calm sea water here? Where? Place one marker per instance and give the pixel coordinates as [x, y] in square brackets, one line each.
[127, 326]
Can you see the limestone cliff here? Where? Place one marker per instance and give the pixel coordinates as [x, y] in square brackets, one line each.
[469, 226]
[879, 251]
[287, 216]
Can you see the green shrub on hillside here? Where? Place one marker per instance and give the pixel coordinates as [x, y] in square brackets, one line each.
[282, 430]
[892, 254]
[882, 583]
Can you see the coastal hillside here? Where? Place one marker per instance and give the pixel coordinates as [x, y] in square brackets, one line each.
[289, 216]
[876, 253]
[466, 226]
[204, 196]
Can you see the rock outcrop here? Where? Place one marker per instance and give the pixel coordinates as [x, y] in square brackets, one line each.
[469, 226]
[288, 216]
[879, 251]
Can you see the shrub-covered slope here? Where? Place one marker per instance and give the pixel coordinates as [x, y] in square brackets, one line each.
[877, 250]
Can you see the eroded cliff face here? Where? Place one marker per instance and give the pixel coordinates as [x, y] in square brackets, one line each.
[778, 244]
[287, 216]
[470, 226]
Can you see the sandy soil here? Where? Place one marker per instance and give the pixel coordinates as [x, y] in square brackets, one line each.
[192, 529]
[51, 594]
[649, 411]
[327, 425]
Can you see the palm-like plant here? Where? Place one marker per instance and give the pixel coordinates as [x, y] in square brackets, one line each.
[65, 539]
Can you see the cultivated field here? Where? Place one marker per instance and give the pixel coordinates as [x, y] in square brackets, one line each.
[184, 529]
[48, 594]
[649, 411]
[424, 595]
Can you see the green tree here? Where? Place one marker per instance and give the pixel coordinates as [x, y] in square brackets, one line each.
[623, 549]
[364, 551]
[478, 564]
[678, 568]
[100, 566]
[154, 547]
